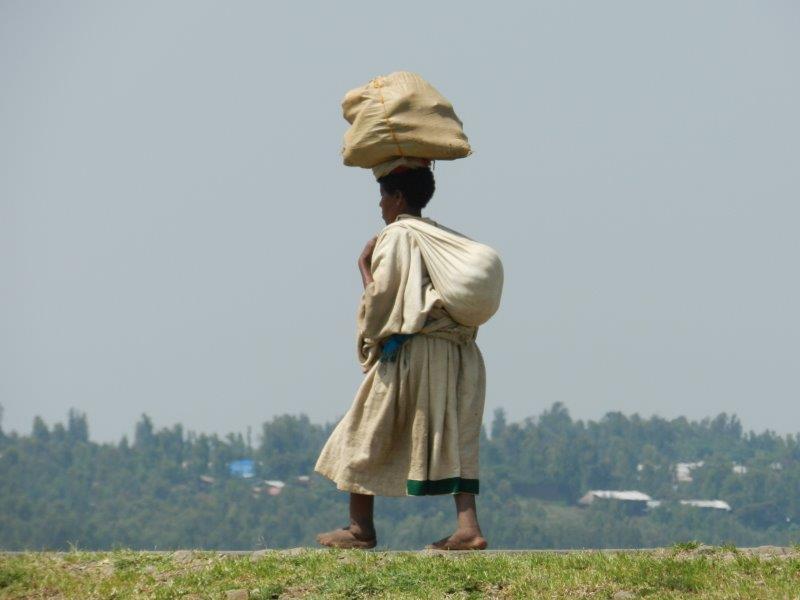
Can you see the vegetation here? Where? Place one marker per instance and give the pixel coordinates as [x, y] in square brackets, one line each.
[673, 573]
[170, 489]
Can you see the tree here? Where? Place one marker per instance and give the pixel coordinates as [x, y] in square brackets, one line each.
[40, 431]
[77, 426]
[143, 434]
[289, 446]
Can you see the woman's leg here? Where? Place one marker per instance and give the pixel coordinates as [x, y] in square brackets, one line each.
[361, 516]
[468, 535]
[361, 531]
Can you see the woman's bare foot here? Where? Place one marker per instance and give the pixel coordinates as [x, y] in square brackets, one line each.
[460, 540]
[347, 538]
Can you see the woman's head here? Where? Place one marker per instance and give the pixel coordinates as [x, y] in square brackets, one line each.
[405, 192]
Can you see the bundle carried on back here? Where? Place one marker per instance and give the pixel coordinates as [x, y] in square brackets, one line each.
[467, 275]
[396, 119]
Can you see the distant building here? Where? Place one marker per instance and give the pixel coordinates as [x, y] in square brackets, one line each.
[652, 466]
[683, 471]
[636, 501]
[713, 504]
[244, 468]
[626, 495]
[274, 486]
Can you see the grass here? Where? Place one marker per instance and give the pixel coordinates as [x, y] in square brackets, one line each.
[682, 571]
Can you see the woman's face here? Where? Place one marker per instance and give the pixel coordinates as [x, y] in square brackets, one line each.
[391, 205]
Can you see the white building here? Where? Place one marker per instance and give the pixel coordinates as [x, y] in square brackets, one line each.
[683, 471]
[274, 486]
[715, 504]
[622, 495]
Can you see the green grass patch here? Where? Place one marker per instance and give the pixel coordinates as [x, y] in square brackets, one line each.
[684, 571]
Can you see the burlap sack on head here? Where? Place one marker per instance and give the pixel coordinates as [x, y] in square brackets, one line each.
[400, 115]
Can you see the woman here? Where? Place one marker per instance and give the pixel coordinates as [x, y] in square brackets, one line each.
[414, 426]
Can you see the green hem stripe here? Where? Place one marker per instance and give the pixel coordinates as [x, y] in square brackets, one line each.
[454, 485]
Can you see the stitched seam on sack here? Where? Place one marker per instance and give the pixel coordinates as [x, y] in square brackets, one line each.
[388, 122]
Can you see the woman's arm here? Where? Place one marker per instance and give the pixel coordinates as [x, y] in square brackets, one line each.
[365, 262]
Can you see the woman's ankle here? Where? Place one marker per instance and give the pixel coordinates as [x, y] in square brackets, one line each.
[361, 529]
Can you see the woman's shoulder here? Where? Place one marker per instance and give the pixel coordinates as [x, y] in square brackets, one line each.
[410, 223]
[393, 239]
[396, 230]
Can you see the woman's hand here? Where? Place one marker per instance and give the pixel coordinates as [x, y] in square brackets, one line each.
[365, 261]
[366, 253]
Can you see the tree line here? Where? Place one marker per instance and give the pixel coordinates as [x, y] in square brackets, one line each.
[169, 488]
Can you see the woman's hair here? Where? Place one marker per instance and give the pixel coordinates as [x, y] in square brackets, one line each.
[416, 185]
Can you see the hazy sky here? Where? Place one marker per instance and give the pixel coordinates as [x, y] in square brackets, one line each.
[179, 237]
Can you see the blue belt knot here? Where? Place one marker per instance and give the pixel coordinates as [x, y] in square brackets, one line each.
[391, 347]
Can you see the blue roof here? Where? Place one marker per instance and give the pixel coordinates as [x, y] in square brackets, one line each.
[244, 468]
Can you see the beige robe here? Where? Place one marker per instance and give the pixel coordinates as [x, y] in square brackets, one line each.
[414, 425]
